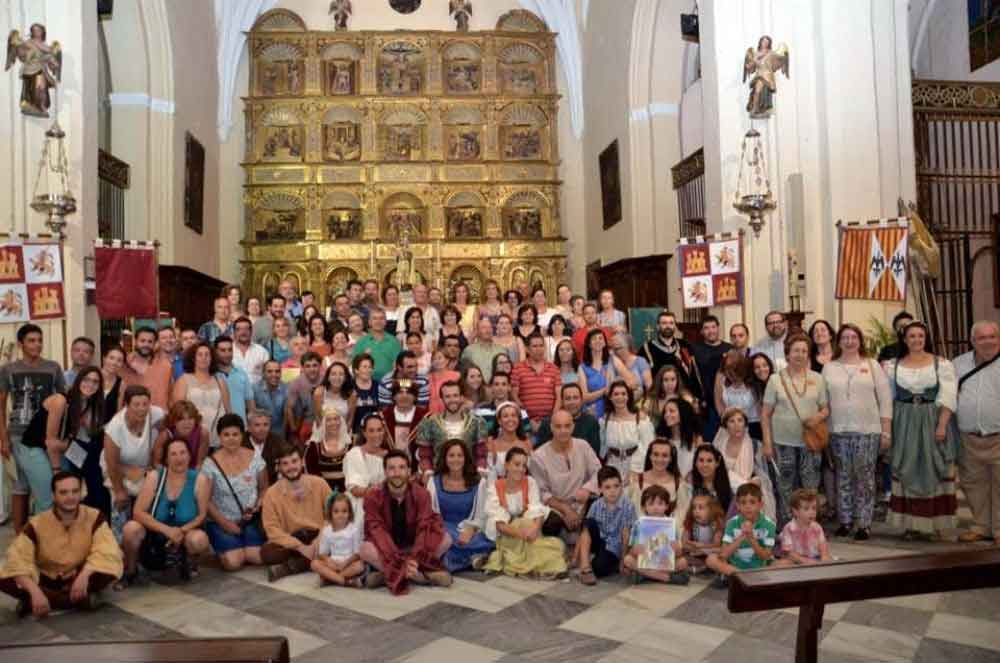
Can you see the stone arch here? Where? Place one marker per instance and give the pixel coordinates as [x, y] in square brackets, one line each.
[522, 70]
[521, 53]
[281, 116]
[281, 51]
[279, 216]
[341, 50]
[523, 114]
[466, 199]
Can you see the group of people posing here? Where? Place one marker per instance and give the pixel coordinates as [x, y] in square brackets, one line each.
[380, 445]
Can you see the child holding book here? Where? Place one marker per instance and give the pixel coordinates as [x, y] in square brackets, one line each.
[337, 557]
[748, 541]
[605, 530]
[655, 502]
[803, 540]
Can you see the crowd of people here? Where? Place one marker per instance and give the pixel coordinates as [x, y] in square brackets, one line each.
[381, 444]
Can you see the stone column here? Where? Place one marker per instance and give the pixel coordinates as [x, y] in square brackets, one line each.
[838, 146]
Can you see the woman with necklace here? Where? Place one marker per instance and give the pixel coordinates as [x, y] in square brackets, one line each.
[924, 439]
[510, 435]
[324, 456]
[860, 426]
[625, 433]
[659, 468]
[783, 420]
[527, 322]
[458, 494]
[202, 385]
[363, 471]
[237, 482]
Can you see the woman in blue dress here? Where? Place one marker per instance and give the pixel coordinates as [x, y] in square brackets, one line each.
[596, 372]
[459, 495]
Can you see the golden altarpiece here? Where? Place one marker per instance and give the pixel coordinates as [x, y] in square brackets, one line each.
[436, 152]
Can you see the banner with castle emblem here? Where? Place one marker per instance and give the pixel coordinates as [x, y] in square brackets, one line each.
[711, 270]
[31, 281]
[873, 261]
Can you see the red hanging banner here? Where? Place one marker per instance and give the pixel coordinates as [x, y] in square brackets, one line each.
[127, 282]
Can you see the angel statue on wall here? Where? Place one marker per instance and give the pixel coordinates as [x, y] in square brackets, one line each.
[762, 67]
[41, 68]
[341, 11]
[461, 11]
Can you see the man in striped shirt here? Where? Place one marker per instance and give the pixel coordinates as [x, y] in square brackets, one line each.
[536, 382]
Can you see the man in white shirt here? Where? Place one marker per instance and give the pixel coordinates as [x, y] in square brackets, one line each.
[432, 321]
[978, 419]
[246, 354]
[774, 345]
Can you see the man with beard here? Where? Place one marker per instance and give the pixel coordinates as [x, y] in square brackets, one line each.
[81, 354]
[189, 337]
[667, 349]
[238, 382]
[451, 346]
[452, 424]
[271, 395]
[383, 347]
[299, 405]
[263, 328]
[372, 297]
[356, 296]
[774, 345]
[64, 556]
[403, 418]
[708, 356]
[264, 443]
[292, 515]
[151, 369]
[404, 537]
[406, 369]
[590, 323]
[293, 305]
[248, 355]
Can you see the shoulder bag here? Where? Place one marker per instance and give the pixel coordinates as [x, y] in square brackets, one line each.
[153, 552]
[816, 437]
[255, 520]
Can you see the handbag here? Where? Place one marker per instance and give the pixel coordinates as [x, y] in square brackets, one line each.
[256, 520]
[817, 437]
[153, 552]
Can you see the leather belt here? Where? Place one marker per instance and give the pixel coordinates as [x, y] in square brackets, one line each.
[622, 453]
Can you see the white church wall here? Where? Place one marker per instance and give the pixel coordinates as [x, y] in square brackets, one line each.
[839, 145]
[74, 25]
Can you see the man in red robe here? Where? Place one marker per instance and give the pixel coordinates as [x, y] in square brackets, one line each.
[404, 538]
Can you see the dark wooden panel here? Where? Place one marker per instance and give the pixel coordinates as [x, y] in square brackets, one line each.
[217, 650]
[637, 282]
[188, 295]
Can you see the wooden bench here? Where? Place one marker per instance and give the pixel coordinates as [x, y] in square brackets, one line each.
[215, 650]
[810, 588]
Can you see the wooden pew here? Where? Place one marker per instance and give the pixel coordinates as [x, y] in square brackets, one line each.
[810, 588]
[214, 650]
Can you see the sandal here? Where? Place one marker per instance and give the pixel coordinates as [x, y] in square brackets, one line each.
[587, 577]
[122, 583]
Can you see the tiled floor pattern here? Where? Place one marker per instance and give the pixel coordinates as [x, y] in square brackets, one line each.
[506, 619]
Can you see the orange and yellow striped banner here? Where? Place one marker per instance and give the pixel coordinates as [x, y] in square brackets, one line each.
[873, 262]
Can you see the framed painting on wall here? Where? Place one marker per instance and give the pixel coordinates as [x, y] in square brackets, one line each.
[194, 184]
[611, 188]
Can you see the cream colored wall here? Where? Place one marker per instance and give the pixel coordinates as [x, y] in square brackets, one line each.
[196, 90]
[432, 15]
[74, 25]
[606, 50]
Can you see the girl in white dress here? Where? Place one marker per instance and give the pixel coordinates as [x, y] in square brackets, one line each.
[337, 558]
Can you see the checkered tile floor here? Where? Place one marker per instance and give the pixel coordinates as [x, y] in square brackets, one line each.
[505, 619]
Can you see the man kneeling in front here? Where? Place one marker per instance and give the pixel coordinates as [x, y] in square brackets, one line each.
[64, 556]
[404, 537]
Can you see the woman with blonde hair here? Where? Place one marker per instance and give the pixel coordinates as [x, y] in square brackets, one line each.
[325, 453]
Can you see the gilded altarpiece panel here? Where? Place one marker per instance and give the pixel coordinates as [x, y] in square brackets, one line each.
[356, 138]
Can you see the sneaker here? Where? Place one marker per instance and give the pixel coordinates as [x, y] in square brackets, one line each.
[842, 531]
[721, 582]
[374, 579]
[439, 578]
[863, 534]
[276, 572]
[679, 578]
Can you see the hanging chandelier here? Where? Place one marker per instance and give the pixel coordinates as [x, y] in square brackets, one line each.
[753, 185]
[51, 195]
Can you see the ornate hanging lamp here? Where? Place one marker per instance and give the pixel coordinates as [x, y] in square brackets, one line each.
[753, 184]
[51, 195]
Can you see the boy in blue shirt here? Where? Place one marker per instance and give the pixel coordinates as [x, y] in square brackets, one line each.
[748, 541]
[605, 530]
